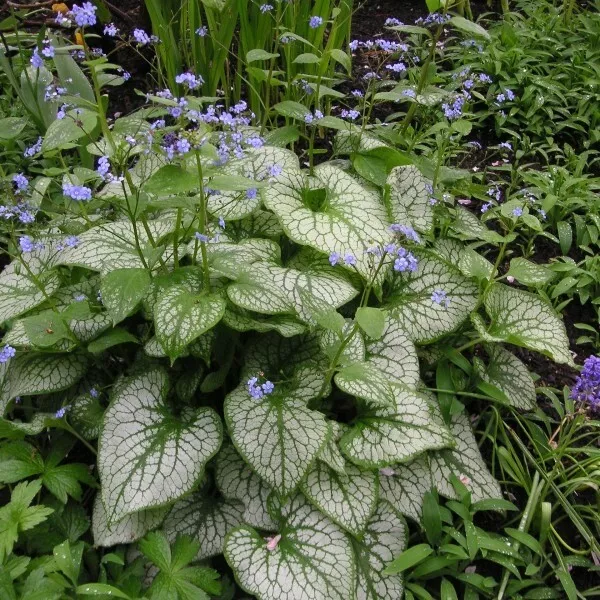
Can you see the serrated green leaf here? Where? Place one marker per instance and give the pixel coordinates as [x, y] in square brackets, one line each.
[411, 305]
[277, 434]
[126, 531]
[383, 436]
[349, 499]
[312, 559]
[350, 219]
[524, 319]
[384, 538]
[148, 457]
[238, 482]
[122, 290]
[181, 316]
[408, 199]
[205, 520]
[505, 371]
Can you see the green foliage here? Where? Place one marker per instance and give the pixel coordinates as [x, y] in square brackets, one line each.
[317, 378]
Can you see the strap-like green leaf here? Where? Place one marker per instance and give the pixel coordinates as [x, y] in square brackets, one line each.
[147, 456]
[311, 561]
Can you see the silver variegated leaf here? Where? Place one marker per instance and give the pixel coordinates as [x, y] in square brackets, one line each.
[112, 246]
[126, 531]
[237, 481]
[364, 380]
[408, 198]
[19, 292]
[383, 540]
[330, 453]
[254, 165]
[348, 499]
[181, 315]
[524, 319]
[244, 320]
[277, 435]
[384, 436]
[505, 371]
[312, 560]
[86, 414]
[271, 289]
[232, 260]
[31, 374]
[404, 486]
[206, 520]
[412, 306]
[351, 219]
[465, 462]
[394, 354]
[147, 456]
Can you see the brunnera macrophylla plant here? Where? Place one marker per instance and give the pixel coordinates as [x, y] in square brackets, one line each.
[245, 343]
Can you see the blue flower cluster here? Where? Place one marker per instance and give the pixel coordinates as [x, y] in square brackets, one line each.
[440, 297]
[257, 390]
[28, 245]
[587, 385]
[7, 353]
[76, 192]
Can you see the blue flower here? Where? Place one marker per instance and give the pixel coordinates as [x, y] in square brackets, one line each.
[94, 393]
[28, 245]
[221, 222]
[190, 80]
[334, 258]
[85, 14]
[7, 353]
[202, 31]
[454, 110]
[33, 149]
[587, 385]
[393, 22]
[79, 297]
[60, 413]
[141, 37]
[77, 192]
[407, 231]
[350, 114]
[517, 212]
[505, 145]
[315, 22]
[36, 60]
[251, 193]
[406, 261]
[440, 297]
[111, 30]
[264, 8]
[201, 237]
[275, 170]
[72, 241]
[486, 207]
[350, 259]
[103, 166]
[398, 67]
[21, 182]
[48, 49]
[268, 387]
[357, 93]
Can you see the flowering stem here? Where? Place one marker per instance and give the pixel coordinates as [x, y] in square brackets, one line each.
[202, 225]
